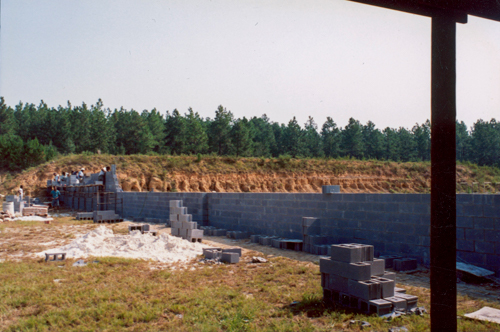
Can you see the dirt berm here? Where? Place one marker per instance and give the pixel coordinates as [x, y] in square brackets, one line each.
[228, 174]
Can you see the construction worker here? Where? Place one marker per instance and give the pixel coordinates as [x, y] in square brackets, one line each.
[55, 197]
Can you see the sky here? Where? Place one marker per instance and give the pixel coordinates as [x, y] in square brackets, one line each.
[282, 58]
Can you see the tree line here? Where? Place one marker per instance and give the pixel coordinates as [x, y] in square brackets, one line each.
[31, 134]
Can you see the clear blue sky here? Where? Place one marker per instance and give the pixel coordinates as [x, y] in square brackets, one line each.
[280, 57]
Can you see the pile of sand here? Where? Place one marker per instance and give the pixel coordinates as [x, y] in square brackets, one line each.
[102, 242]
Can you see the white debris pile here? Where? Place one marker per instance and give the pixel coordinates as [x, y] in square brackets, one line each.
[102, 242]
[32, 218]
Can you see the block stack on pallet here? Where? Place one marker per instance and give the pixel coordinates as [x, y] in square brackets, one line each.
[182, 223]
[107, 216]
[36, 210]
[85, 216]
[353, 278]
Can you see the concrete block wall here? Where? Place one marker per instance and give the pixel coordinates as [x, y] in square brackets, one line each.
[393, 223]
[156, 205]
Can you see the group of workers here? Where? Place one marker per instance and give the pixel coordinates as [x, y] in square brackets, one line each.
[79, 178]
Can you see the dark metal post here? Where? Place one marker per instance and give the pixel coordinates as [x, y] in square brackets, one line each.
[443, 174]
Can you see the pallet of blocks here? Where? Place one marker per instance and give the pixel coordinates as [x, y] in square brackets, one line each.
[352, 278]
[85, 216]
[182, 224]
[107, 216]
[36, 210]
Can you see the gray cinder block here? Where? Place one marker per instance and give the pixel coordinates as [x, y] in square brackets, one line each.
[337, 283]
[355, 271]
[389, 260]
[399, 290]
[387, 285]
[185, 217]
[233, 250]
[175, 204]
[174, 217]
[380, 307]
[213, 254]
[365, 289]
[397, 302]
[309, 221]
[411, 300]
[254, 238]
[347, 253]
[389, 275]
[230, 257]
[377, 267]
[175, 231]
[178, 210]
[210, 249]
[176, 224]
[276, 243]
[405, 264]
[195, 233]
[189, 225]
[330, 189]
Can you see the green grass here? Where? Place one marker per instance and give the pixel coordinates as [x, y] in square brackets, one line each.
[119, 294]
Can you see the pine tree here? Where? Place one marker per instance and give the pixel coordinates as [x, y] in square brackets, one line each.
[219, 132]
[293, 139]
[175, 138]
[422, 136]
[330, 135]
[196, 140]
[240, 138]
[372, 141]
[352, 139]
[391, 144]
[8, 123]
[156, 125]
[263, 136]
[312, 139]
[462, 141]
[407, 147]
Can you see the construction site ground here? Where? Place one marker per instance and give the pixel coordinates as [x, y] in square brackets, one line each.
[282, 294]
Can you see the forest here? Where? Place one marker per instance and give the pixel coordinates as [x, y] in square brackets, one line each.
[30, 135]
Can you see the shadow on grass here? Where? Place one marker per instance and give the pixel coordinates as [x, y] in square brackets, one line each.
[315, 307]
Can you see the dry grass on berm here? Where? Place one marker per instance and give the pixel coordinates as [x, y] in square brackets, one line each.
[128, 295]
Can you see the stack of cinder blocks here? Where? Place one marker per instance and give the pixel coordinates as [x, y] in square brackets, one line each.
[85, 215]
[213, 231]
[313, 242]
[144, 229]
[107, 216]
[182, 223]
[36, 210]
[353, 278]
[229, 255]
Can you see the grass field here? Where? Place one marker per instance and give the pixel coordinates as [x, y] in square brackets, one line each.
[116, 294]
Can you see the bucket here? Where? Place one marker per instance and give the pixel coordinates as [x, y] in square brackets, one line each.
[8, 207]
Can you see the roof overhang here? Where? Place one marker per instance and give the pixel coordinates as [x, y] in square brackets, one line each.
[457, 9]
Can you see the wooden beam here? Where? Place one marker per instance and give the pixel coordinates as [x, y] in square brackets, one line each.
[443, 176]
[417, 8]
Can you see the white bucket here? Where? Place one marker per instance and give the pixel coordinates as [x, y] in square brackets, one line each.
[8, 207]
